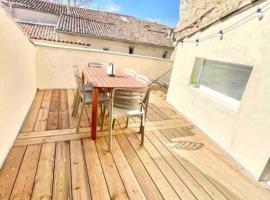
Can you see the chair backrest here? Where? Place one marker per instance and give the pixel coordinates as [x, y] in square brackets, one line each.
[143, 79]
[130, 72]
[93, 64]
[130, 98]
[76, 70]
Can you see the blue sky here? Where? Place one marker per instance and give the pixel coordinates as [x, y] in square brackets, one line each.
[162, 11]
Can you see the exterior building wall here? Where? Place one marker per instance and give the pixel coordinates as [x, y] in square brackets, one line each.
[242, 131]
[54, 64]
[96, 43]
[34, 16]
[118, 46]
[17, 81]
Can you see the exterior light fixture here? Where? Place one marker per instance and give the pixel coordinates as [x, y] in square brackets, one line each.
[259, 14]
[197, 42]
[175, 43]
[220, 33]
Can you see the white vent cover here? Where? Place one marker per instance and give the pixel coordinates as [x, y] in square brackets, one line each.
[124, 19]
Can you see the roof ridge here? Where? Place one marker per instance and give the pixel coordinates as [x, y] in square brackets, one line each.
[87, 18]
[24, 3]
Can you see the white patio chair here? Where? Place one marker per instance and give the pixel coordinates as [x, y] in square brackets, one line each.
[127, 103]
[130, 72]
[87, 88]
[85, 98]
[143, 79]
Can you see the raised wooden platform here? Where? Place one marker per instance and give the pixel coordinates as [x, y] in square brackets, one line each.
[50, 161]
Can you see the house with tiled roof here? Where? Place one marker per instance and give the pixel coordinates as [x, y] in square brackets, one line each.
[59, 24]
[221, 72]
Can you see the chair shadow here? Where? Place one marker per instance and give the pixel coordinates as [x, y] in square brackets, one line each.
[187, 145]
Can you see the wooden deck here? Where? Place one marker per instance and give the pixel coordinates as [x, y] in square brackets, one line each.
[50, 161]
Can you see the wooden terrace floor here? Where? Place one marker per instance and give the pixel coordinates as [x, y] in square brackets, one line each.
[50, 161]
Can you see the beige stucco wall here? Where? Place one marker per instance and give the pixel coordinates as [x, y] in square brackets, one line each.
[244, 132]
[28, 15]
[17, 81]
[33, 16]
[54, 64]
[118, 46]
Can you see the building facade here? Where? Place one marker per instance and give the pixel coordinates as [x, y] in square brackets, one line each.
[221, 73]
[70, 26]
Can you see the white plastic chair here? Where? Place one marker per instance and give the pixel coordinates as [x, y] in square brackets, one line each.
[143, 79]
[130, 72]
[127, 103]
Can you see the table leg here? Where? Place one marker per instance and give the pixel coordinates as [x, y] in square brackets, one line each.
[94, 113]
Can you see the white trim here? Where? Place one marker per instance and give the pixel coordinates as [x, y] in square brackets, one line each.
[34, 23]
[97, 50]
[233, 103]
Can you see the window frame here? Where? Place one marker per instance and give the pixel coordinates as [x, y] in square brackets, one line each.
[165, 54]
[106, 49]
[131, 50]
[197, 72]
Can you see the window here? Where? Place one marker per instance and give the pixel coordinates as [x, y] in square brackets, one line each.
[164, 56]
[131, 50]
[226, 78]
[106, 49]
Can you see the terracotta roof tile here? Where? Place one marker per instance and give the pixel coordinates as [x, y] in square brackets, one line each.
[102, 24]
[209, 16]
[44, 32]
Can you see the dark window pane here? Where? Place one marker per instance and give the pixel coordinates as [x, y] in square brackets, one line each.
[226, 78]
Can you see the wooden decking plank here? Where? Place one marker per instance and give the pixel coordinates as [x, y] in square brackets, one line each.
[130, 182]
[113, 179]
[44, 177]
[70, 97]
[30, 120]
[9, 171]
[25, 180]
[96, 177]
[178, 185]
[62, 173]
[188, 179]
[55, 138]
[53, 118]
[63, 110]
[43, 114]
[211, 160]
[80, 183]
[147, 184]
[154, 171]
[201, 178]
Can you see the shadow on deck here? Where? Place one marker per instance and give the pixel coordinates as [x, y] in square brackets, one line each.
[49, 160]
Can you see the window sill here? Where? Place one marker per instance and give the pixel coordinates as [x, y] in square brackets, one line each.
[228, 101]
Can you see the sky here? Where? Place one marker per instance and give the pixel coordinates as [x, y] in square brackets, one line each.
[161, 11]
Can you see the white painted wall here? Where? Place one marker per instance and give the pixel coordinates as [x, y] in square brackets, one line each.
[242, 131]
[17, 81]
[34, 16]
[54, 64]
[119, 46]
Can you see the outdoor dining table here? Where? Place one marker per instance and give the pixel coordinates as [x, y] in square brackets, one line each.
[101, 82]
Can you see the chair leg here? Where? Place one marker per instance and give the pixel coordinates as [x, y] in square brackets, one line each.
[110, 133]
[103, 113]
[127, 122]
[142, 129]
[75, 96]
[113, 123]
[76, 104]
[80, 117]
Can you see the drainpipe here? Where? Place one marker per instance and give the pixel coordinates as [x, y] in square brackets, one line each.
[68, 7]
[10, 8]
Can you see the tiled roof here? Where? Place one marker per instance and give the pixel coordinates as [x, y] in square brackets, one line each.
[101, 24]
[43, 32]
[209, 14]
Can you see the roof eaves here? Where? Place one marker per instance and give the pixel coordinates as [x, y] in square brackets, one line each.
[180, 30]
